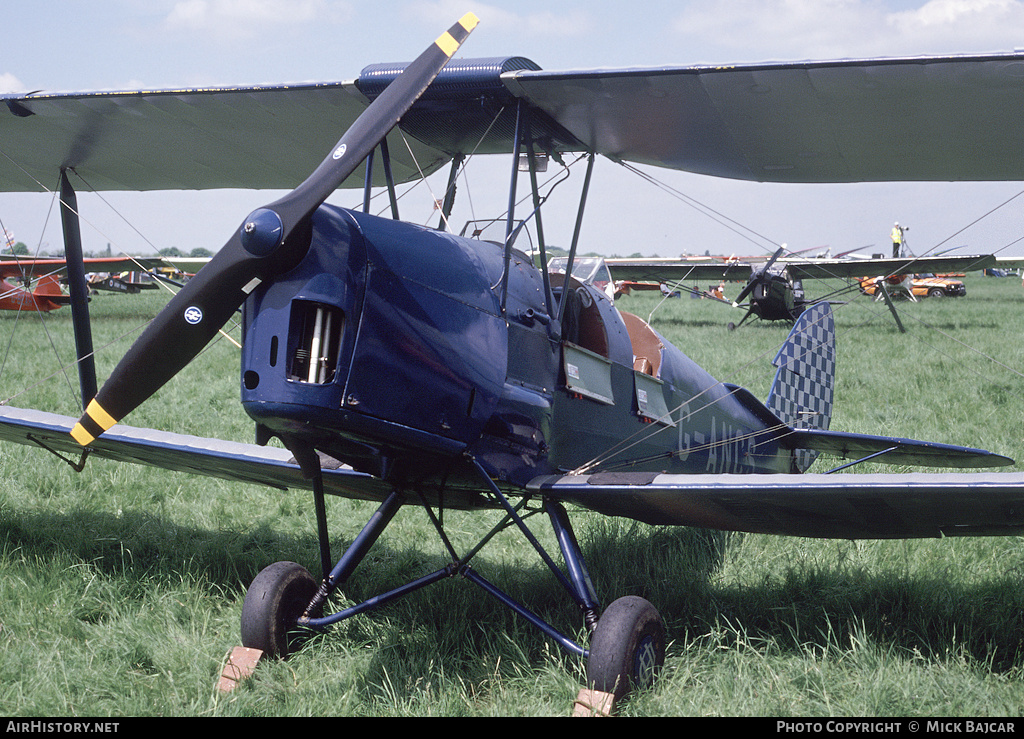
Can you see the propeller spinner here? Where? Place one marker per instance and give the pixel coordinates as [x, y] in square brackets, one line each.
[272, 240]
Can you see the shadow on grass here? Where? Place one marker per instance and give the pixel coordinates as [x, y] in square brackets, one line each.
[140, 546]
[456, 629]
[921, 615]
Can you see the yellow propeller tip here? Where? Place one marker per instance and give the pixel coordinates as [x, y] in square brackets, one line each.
[450, 40]
[80, 435]
[95, 421]
[98, 414]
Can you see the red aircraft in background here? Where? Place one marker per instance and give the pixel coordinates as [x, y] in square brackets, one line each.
[46, 296]
[35, 284]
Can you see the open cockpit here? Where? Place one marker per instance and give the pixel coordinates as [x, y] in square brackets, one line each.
[584, 324]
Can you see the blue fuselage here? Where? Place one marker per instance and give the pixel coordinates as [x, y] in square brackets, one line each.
[389, 348]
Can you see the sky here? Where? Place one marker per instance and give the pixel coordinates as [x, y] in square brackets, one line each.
[84, 45]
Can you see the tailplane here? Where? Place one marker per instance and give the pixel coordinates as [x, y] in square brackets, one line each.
[801, 395]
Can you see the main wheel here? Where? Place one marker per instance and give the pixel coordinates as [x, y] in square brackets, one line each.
[273, 604]
[628, 647]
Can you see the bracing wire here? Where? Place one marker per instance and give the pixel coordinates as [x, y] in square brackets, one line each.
[63, 367]
[623, 446]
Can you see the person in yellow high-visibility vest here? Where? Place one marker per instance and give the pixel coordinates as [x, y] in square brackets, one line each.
[897, 239]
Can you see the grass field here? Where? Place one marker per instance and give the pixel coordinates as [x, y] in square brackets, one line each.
[121, 587]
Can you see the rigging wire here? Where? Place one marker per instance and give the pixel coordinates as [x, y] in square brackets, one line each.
[462, 166]
[28, 277]
[131, 257]
[65, 367]
[423, 177]
[639, 437]
[735, 226]
[646, 433]
[75, 394]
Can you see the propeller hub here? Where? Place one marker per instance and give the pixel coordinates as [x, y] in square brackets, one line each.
[262, 232]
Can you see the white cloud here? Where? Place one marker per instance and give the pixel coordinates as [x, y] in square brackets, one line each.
[972, 25]
[752, 30]
[10, 83]
[759, 29]
[242, 17]
[948, 12]
[542, 22]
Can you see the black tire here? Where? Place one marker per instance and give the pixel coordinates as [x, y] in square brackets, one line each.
[628, 647]
[273, 604]
[936, 292]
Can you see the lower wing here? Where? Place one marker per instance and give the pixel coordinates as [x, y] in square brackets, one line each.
[827, 506]
[228, 460]
[831, 506]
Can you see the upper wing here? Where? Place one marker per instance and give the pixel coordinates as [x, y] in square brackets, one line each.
[838, 506]
[924, 118]
[676, 270]
[934, 118]
[247, 137]
[16, 266]
[826, 268]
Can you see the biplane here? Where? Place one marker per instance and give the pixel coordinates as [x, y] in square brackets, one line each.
[45, 275]
[775, 288]
[407, 365]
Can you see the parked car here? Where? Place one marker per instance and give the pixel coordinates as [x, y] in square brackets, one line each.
[921, 285]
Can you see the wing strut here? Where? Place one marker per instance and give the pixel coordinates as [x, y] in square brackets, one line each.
[549, 298]
[449, 194]
[389, 179]
[888, 302]
[79, 288]
[575, 240]
[510, 214]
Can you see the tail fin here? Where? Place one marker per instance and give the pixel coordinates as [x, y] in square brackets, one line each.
[801, 395]
[50, 294]
[47, 286]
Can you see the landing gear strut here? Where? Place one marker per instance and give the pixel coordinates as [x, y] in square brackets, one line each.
[627, 641]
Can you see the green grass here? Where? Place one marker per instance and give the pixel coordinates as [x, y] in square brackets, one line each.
[121, 587]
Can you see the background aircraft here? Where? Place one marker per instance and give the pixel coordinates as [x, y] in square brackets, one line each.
[45, 295]
[451, 373]
[48, 274]
[775, 288]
